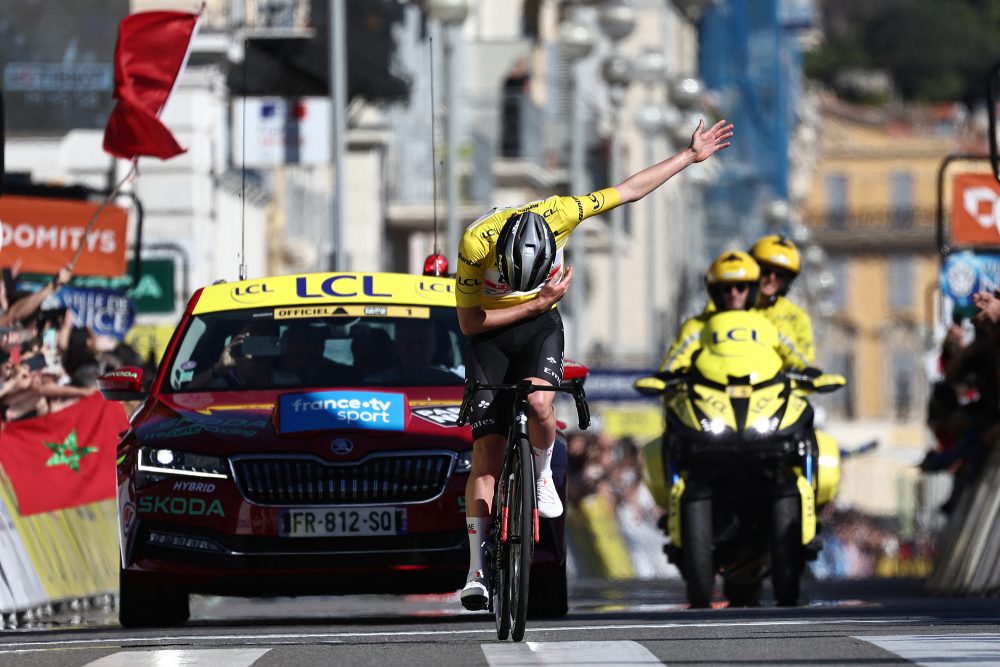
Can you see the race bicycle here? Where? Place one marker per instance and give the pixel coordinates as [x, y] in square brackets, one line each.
[514, 530]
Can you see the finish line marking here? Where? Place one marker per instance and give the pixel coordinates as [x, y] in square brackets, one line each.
[27, 647]
[972, 650]
[569, 654]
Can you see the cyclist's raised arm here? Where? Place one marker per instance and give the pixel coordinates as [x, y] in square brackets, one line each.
[704, 144]
[476, 319]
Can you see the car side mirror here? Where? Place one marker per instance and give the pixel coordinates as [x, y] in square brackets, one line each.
[123, 384]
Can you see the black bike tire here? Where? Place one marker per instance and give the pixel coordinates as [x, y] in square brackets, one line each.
[524, 546]
[500, 565]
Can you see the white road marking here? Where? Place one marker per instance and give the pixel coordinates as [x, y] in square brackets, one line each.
[569, 654]
[208, 657]
[978, 650]
[110, 642]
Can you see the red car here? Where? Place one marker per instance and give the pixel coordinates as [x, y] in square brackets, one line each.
[299, 438]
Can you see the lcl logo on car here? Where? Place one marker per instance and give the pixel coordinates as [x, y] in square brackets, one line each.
[341, 446]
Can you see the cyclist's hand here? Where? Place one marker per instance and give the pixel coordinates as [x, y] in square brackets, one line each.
[705, 143]
[554, 291]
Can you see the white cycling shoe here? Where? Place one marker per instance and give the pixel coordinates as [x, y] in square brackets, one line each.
[549, 504]
[476, 591]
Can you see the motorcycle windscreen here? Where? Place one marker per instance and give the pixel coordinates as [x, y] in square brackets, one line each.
[738, 343]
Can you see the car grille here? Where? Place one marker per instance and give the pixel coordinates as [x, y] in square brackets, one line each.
[405, 478]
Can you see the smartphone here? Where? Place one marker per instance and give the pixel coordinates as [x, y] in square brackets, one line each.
[36, 362]
[261, 346]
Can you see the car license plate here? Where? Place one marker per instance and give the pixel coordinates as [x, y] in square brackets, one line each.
[343, 522]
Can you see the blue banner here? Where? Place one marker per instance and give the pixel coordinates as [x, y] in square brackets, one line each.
[607, 384]
[965, 273]
[328, 410]
[106, 312]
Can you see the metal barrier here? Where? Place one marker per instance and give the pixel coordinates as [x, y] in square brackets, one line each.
[64, 558]
[968, 555]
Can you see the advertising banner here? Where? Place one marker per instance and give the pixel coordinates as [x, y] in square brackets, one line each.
[43, 234]
[975, 215]
[962, 275]
[105, 312]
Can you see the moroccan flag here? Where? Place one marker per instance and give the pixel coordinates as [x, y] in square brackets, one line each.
[63, 459]
[152, 50]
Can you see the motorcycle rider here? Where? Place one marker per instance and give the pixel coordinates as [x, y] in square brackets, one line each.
[733, 282]
[780, 263]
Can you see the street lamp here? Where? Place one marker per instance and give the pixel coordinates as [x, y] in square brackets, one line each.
[450, 14]
[576, 41]
[617, 20]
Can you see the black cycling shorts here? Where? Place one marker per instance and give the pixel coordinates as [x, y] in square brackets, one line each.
[525, 349]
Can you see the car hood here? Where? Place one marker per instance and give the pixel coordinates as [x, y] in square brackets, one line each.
[237, 422]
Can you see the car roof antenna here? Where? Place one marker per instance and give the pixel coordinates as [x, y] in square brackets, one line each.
[436, 264]
[243, 170]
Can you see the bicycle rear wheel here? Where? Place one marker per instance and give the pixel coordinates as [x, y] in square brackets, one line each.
[500, 562]
[522, 546]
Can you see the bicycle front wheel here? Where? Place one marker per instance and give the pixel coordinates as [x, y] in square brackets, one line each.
[500, 560]
[522, 546]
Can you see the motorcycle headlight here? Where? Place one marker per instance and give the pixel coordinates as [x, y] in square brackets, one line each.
[464, 462]
[765, 425]
[158, 461]
[714, 426]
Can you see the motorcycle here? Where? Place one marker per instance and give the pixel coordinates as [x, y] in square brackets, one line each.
[740, 467]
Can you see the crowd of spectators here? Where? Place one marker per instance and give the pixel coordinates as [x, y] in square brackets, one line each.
[46, 363]
[858, 545]
[964, 407]
[613, 470]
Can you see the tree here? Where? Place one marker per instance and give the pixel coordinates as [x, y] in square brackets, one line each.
[931, 51]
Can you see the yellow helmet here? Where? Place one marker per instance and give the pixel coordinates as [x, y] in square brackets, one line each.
[733, 266]
[777, 251]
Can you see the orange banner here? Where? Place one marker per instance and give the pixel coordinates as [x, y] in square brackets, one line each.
[44, 233]
[975, 210]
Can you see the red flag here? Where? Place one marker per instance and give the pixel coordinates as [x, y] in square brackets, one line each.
[63, 459]
[151, 51]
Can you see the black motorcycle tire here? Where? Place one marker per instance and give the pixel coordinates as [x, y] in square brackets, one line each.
[786, 550]
[699, 565]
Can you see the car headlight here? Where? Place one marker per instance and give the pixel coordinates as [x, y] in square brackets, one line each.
[164, 461]
[463, 463]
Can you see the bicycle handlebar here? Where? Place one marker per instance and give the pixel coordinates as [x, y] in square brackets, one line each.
[523, 388]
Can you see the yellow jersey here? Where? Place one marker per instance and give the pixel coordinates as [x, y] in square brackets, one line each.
[477, 281]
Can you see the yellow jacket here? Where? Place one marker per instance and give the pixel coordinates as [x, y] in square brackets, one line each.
[793, 323]
[689, 341]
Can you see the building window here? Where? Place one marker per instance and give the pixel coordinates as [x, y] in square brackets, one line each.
[840, 288]
[902, 378]
[901, 283]
[836, 201]
[840, 402]
[901, 186]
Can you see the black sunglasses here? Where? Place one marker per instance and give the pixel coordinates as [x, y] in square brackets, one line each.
[739, 287]
[779, 273]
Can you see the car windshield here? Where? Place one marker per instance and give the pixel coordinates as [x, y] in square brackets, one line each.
[319, 346]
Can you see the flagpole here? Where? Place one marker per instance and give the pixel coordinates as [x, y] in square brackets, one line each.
[97, 213]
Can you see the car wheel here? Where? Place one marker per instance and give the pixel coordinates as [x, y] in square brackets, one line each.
[143, 606]
[697, 545]
[549, 598]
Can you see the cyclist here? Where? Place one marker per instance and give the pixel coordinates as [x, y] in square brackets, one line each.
[780, 262]
[510, 278]
[733, 281]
